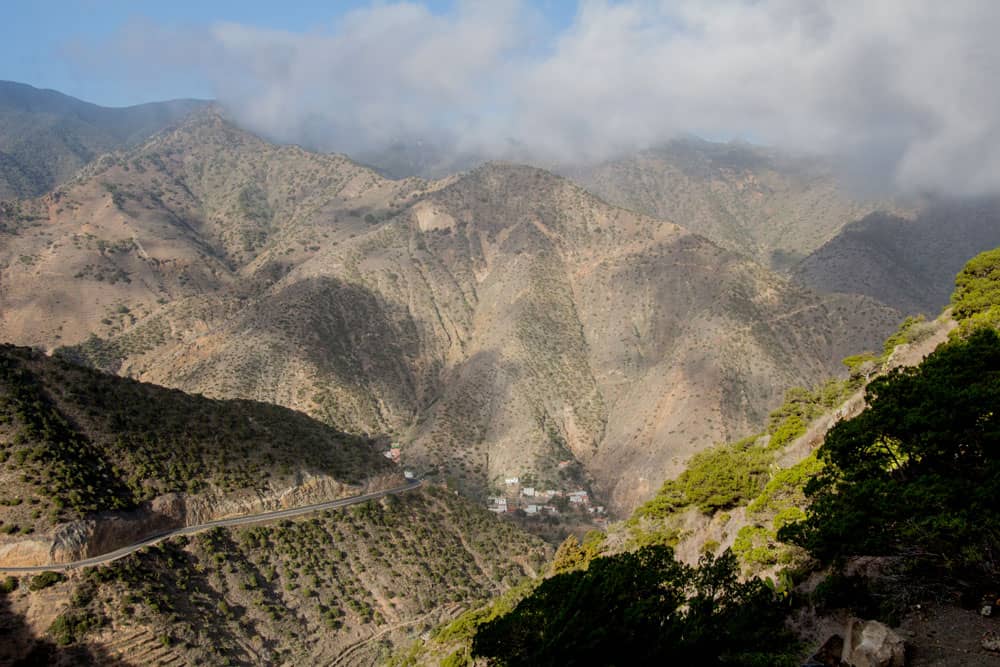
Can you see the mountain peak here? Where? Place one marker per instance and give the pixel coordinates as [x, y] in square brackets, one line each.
[47, 136]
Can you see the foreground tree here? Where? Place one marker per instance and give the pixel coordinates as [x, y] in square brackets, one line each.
[918, 472]
[642, 608]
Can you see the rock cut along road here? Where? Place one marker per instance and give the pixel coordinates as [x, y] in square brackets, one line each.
[218, 523]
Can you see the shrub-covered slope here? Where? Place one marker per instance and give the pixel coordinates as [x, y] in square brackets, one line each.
[917, 473]
[75, 441]
[343, 587]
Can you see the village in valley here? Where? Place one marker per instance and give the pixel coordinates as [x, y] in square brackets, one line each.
[518, 495]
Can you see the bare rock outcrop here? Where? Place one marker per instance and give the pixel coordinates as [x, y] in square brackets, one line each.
[872, 644]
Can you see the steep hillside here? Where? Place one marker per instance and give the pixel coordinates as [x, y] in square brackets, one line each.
[753, 200]
[45, 136]
[908, 263]
[342, 588]
[183, 215]
[93, 461]
[731, 498]
[497, 324]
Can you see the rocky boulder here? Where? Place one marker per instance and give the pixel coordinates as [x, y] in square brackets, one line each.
[872, 644]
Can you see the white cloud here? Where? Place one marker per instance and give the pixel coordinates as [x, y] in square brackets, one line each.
[905, 83]
[392, 70]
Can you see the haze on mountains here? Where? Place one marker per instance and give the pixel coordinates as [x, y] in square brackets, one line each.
[902, 91]
[45, 136]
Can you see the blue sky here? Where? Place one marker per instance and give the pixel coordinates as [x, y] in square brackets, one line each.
[37, 37]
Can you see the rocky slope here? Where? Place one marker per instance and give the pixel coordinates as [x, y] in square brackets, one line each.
[757, 201]
[794, 215]
[499, 323]
[341, 588]
[45, 136]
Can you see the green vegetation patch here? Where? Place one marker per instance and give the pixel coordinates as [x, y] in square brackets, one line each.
[649, 605]
[976, 299]
[84, 441]
[729, 475]
[919, 469]
[45, 579]
[717, 478]
[786, 487]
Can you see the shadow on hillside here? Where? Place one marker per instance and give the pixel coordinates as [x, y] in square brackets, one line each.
[909, 264]
[20, 647]
[366, 342]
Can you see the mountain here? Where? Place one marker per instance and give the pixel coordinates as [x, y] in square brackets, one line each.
[772, 207]
[794, 215]
[909, 263]
[342, 587]
[498, 323]
[45, 136]
[93, 462]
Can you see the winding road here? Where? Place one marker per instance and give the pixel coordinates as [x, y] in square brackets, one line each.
[234, 521]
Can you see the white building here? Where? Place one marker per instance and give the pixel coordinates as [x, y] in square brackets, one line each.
[510, 481]
[497, 504]
[528, 491]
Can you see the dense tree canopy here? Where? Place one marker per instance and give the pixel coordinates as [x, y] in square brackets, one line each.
[976, 299]
[640, 608]
[918, 472]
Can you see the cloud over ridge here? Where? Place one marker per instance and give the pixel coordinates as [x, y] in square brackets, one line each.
[906, 85]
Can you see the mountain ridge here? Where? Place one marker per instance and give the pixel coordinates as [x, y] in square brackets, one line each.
[758, 201]
[46, 136]
[504, 311]
[907, 262]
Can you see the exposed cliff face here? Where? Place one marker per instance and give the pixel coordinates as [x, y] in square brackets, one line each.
[108, 531]
[504, 314]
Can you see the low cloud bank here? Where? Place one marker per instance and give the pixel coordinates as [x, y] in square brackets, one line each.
[904, 88]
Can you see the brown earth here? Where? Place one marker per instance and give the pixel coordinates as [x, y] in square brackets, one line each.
[504, 312]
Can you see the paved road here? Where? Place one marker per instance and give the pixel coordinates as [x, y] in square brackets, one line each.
[235, 521]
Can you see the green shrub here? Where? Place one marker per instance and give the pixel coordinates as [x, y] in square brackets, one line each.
[786, 487]
[789, 429]
[71, 626]
[907, 333]
[977, 287]
[8, 585]
[45, 579]
[753, 546]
